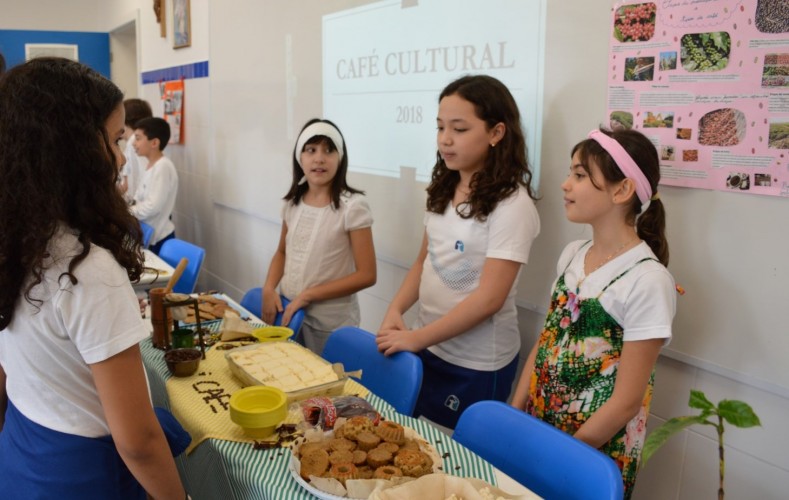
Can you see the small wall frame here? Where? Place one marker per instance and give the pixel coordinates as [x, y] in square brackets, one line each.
[182, 24]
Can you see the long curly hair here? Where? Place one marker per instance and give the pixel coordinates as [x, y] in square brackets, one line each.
[650, 225]
[57, 167]
[506, 166]
[339, 184]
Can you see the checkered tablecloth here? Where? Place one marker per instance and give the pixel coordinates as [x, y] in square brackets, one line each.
[219, 470]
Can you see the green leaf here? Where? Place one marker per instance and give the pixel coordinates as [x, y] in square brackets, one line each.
[738, 413]
[700, 401]
[618, 34]
[659, 436]
[721, 40]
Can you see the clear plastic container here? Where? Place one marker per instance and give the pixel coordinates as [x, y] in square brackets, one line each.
[323, 388]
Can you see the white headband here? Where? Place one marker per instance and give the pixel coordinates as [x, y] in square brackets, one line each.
[318, 128]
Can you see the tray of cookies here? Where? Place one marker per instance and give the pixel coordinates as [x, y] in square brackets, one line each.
[351, 460]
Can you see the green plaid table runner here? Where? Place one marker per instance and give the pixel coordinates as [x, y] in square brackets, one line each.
[219, 470]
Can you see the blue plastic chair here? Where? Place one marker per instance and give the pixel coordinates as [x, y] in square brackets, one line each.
[253, 302]
[147, 234]
[549, 462]
[172, 251]
[396, 378]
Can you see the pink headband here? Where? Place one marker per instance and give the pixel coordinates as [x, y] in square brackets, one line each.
[625, 164]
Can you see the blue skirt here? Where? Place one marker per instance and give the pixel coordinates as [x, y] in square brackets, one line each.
[40, 463]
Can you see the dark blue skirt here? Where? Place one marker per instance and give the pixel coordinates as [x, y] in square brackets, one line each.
[39, 463]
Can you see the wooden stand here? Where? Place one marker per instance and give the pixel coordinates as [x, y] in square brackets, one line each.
[167, 304]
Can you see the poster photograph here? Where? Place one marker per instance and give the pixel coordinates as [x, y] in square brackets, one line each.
[172, 94]
[708, 82]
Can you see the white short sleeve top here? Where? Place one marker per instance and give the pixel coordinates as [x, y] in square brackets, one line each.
[318, 249]
[643, 301]
[456, 253]
[47, 350]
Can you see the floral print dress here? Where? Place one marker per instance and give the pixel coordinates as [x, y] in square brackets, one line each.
[575, 370]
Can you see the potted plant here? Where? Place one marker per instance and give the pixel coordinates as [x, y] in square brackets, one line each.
[734, 412]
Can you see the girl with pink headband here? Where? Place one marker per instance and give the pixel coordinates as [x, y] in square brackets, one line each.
[592, 369]
[325, 253]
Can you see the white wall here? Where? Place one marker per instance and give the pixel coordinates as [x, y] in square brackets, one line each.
[239, 245]
[54, 15]
[123, 59]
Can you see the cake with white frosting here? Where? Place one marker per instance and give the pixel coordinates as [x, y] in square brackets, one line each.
[285, 365]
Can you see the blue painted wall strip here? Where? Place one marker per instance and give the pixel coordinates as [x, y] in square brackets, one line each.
[193, 70]
[94, 48]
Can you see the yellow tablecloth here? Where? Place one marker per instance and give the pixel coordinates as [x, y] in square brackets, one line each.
[201, 403]
[229, 469]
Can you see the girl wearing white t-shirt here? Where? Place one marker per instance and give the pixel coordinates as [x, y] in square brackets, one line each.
[479, 227]
[591, 371]
[325, 253]
[77, 420]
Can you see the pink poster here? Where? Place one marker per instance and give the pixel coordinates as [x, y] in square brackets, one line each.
[708, 82]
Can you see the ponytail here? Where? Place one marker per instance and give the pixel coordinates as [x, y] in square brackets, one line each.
[651, 227]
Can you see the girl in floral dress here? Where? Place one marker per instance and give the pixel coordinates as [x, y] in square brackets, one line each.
[591, 371]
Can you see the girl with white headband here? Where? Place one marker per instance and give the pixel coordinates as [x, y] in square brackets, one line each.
[591, 371]
[325, 253]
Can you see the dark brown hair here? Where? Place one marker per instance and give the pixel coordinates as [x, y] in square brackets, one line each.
[651, 225]
[155, 128]
[57, 167]
[136, 110]
[506, 167]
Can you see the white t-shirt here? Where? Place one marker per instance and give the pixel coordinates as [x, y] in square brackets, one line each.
[317, 250]
[456, 253]
[132, 169]
[155, 198]
[48, 347]
[643, 301]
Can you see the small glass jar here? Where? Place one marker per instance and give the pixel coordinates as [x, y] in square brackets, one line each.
[183, 338]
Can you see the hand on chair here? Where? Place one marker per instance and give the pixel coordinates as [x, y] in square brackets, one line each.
[272, 304]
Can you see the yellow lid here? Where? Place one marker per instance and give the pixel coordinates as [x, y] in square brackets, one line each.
[272, 333]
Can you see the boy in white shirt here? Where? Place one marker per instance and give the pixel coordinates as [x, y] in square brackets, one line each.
[136, 110]
[154, 199]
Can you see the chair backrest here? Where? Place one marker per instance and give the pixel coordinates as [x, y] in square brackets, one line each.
[147, 234]
[253, 302]
[549, 462]
[172, 251]
[396, 378]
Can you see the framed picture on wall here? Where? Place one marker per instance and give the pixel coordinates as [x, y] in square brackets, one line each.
[182, 24]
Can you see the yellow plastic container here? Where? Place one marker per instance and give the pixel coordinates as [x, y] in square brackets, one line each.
[272, 333]
[258, 409]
